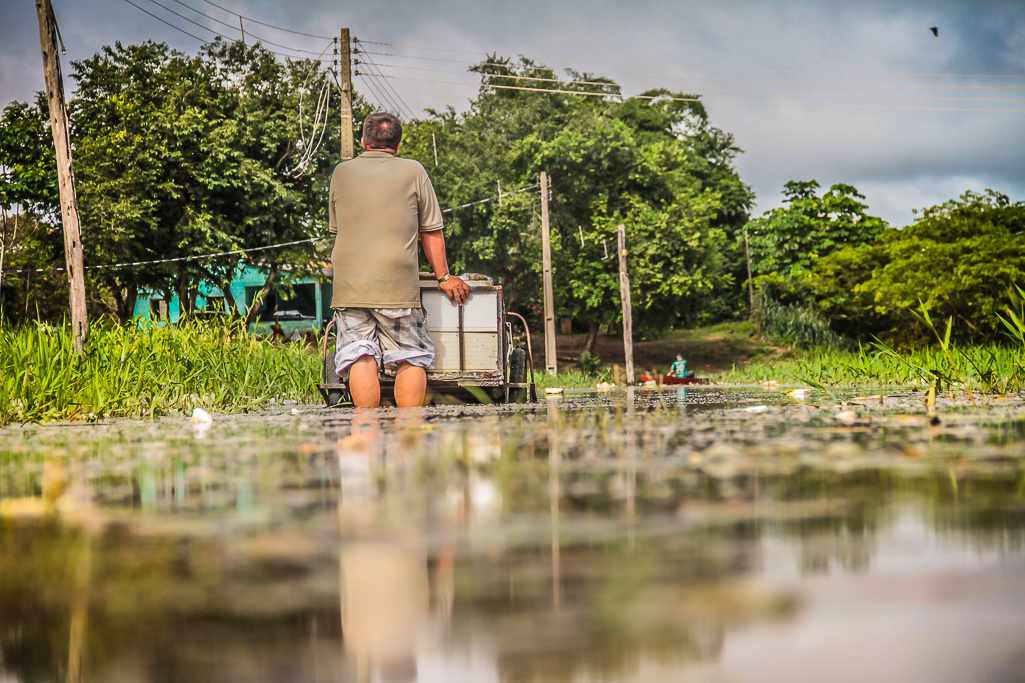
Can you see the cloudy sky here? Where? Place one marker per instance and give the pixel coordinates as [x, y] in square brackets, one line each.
[752, 61]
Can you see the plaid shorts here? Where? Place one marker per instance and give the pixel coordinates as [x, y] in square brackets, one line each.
[390, 335]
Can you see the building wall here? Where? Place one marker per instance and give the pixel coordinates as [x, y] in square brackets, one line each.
[150, 305]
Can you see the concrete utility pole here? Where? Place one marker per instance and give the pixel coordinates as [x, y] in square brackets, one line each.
[348, 149]
[624, 294]
[549, 296]
[65, 174]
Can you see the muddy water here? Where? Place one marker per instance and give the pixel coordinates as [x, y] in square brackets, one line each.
[686, 536]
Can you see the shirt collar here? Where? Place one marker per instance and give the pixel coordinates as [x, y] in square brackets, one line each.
[377, 154]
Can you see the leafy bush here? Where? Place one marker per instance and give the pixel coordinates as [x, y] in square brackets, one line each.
[589, 364]
[793, 323]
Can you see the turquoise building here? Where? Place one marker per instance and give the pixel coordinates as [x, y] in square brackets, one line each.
[306, 307]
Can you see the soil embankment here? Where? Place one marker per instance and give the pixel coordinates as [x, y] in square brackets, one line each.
[707, 350]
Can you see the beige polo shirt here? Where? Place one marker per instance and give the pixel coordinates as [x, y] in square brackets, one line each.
[379, 204]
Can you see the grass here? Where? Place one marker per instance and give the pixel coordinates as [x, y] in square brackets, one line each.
[146, 371]
[944, 366]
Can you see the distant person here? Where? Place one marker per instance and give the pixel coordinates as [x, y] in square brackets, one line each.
[379, 204]
[679, 367]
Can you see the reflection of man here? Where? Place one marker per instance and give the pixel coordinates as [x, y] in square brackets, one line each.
[379, 204]
[679, 368]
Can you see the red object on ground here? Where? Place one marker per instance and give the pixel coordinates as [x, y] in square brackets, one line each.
[675, 380]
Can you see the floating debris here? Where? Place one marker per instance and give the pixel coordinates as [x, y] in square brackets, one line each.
[201, 417]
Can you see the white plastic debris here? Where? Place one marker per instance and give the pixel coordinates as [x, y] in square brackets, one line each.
[847, 417]
[756, 409]
[798, 393]
[554, 391]
[201, 417]
[295, 411]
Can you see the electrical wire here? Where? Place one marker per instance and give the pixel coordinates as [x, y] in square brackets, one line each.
[716, 80]
[193, 35]
[262, 23]
[181, 259]
[409, 110]
[381, 84]
[202, 40]
[373, 86]
[698, 99]
[493, 198]
[234, 28]
[740, 92]
[709, 68]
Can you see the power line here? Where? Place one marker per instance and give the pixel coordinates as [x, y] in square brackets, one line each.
[193, 35]
[493, 198]
[708, 80]
[709, 68]
[202, 40]
[178, 259]
[262, 23]
[409, 110]
[378, 90]
[698, 99]
[181, 259]
[234, 28]
[741, 92]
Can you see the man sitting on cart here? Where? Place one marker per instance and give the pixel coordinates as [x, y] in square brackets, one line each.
[679, 367]
[379, 205]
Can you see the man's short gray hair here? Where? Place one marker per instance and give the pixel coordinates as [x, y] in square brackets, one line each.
[382, 131]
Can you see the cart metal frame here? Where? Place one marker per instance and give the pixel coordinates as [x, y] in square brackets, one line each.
[465, 385]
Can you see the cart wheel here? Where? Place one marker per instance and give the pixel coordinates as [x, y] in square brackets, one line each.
[334, 396]
[517, 375]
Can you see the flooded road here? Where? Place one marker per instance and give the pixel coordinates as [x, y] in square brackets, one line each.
[704, 535]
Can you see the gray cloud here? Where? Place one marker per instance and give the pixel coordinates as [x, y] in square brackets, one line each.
[899, 159]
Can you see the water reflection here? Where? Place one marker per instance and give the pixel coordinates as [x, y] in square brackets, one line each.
[621, 538]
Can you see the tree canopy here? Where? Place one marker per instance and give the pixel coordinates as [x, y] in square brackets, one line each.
[653, 163]
[961, 259]
[183, 155]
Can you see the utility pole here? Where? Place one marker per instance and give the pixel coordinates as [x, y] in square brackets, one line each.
[624, 294]
[65, 173]
[345, 56]
[750, 283]
[549, 296]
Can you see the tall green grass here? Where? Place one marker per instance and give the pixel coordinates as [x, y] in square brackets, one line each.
[984, 369]
[147, 371]
[989, 369]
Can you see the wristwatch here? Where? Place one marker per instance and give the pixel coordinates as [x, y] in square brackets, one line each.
[445, 278]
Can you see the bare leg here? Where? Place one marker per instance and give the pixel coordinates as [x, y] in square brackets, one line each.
[363, 383]
[410, 385]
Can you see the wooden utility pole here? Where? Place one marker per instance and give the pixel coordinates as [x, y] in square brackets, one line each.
[750, 283]
[65, 173]
[549, 296]
[624, 293]
[348, 150]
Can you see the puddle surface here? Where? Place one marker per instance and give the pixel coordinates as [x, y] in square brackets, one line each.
[696, 535]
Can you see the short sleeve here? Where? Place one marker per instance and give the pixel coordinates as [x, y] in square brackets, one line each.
[428, 209]
[332, 213]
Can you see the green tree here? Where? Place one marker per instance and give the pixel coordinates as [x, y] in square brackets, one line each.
[656, 165]
[960, 259]
[786, 243]
[184, 155]
[30, 236]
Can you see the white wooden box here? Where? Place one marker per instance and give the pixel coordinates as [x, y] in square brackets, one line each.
[481, 329]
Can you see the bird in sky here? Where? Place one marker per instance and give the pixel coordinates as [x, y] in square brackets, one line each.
[935, 30]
